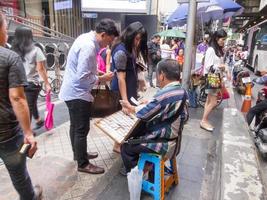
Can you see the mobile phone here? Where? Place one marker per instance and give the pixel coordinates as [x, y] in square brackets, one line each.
[134, 101]
[25, 150]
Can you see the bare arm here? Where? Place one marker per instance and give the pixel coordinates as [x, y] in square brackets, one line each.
[108, 58]
[42, 72]
[122, 85]
[20, 107]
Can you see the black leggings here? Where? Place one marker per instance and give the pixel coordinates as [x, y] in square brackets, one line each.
[32, 92]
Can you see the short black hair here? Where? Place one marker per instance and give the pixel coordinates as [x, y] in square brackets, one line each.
[170, 68]
[156, 36]
[108, 26]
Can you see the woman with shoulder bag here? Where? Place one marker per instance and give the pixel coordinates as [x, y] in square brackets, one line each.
[213, 64]
[34, 65]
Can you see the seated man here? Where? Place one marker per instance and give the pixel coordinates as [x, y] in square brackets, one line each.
[256, 111]
[162, 116]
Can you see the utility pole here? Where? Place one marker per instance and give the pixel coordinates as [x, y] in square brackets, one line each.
[189, 42]
[190, 36]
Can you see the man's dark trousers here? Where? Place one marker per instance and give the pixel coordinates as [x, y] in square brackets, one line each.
[130, 154]
[79, 111]
[15, 163]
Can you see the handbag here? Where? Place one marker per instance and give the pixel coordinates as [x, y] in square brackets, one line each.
[106, 102]
[225, 93]
[49, 120]
[213, 79]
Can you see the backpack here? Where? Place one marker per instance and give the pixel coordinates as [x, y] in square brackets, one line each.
[101, 63]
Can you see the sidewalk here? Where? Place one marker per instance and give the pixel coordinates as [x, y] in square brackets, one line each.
[54, 152]
[54, 161]
[54, 147]
[55, 170]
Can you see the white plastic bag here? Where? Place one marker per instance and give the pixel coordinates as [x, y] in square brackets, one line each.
[135, 178]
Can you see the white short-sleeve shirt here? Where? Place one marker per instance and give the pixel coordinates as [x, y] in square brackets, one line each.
[211, 59]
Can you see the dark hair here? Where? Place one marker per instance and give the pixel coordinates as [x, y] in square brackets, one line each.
[23, 41]
[170, 68]
[155, 36]
[127, 38]
[108, 26]
[175, 40]
[214, 42]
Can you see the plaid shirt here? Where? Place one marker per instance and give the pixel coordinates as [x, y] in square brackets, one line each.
[163, 106]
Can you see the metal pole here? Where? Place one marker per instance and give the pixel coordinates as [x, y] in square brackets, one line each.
[190, 35]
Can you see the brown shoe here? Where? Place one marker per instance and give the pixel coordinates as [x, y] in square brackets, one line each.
[90, 155]
[91, 169]
[38, 192]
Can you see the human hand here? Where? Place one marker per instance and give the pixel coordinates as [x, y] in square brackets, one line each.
[29, 139]
[127, 108]
[143, 101]
[222, 67]
[108, 76]
[48, 88]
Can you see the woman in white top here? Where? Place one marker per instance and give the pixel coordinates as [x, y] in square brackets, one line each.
[34, 65]
[213, 58]
[166, 51]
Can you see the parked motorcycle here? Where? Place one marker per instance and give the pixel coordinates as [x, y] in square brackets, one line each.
[239, 73]
[260, 132]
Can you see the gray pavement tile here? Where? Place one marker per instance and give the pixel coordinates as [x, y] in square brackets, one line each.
[193, 160]
[190, 173]
[197, 146]
[187, 189]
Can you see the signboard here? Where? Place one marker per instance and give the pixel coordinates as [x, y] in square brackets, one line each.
[121, 6]
[89, 15]
[63, 5]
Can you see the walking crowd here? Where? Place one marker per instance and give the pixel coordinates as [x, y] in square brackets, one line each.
[103, 56]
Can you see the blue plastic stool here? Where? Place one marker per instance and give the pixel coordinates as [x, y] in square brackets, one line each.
[161, 184]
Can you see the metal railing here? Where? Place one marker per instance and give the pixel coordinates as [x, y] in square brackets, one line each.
[44, 31]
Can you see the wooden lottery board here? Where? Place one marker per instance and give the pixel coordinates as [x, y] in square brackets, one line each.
[117, 126]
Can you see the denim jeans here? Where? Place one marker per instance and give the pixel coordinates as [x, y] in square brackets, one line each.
[79, 111]
[32, 92]
[16, 166]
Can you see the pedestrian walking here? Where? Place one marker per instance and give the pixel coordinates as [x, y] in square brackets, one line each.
[203, 46]
[166, 51]
[79, 79]
[213, 61]
[15, 129]
[131, 45]
[154, 56]
[180, 59]
[174, 48]
[34, 65]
